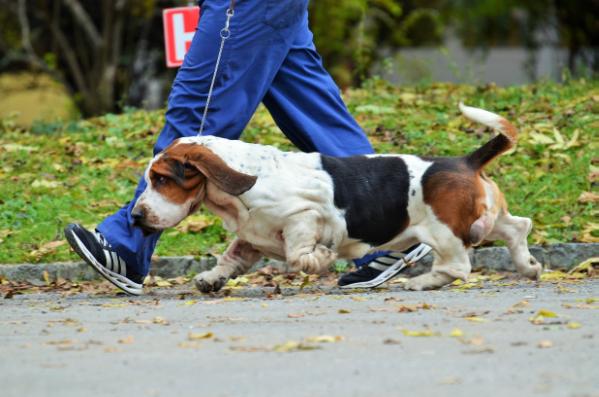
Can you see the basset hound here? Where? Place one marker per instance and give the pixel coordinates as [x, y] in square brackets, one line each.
[309, 209]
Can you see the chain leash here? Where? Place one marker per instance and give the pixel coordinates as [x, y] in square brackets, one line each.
[225, 33]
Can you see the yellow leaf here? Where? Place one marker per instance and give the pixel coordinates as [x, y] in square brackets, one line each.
[425, 332]
[573, 325]
[198, 336]
[160, 320]
[324, 339]
[541, 315]
[343, 311]
[46, 277]
[456, 333]
[586, 234]
[233, 299]
[553, 276]
[586, 266]
[163, 283]
[546, 313]
[237, 282]
[476, 319]
[190, 302]
[291, 346]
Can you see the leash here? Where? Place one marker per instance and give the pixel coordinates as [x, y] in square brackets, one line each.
[225, 33]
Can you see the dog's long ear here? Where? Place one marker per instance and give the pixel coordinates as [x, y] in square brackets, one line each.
[217, 171]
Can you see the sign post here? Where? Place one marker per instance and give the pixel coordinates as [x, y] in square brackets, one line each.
[179, 27]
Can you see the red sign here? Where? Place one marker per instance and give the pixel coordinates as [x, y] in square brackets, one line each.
[179, 27]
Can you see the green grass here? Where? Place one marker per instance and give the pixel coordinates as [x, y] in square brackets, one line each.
[53, 174]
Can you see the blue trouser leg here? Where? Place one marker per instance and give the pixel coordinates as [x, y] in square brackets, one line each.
[306, 104]
[269, 56]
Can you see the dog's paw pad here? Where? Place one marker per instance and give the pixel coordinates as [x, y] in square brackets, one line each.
[206, 285]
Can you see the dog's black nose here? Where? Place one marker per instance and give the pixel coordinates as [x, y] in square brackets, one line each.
[137, 216]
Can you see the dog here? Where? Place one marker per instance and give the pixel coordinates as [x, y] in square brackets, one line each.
[309, 209]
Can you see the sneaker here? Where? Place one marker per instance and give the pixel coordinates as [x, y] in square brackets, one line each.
[97, 252]
[383, 268]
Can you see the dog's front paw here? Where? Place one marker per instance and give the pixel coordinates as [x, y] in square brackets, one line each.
[207, 282]
[532, 270]
[315, 262]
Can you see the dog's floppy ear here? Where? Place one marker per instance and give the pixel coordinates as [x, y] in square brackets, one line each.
[218, 172]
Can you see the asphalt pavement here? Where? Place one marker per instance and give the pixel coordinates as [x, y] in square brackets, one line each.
[515, 338]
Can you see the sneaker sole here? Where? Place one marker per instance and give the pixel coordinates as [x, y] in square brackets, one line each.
[393, 270]
[116, 279]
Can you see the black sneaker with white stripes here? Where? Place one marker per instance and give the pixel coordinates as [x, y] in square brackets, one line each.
[97, 252]
[383, 268]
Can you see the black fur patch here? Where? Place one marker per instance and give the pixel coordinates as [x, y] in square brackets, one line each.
[374, 193]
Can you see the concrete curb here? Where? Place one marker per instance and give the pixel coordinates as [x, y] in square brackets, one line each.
[557, 256]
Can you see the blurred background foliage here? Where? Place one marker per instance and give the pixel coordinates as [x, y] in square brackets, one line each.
[107, 55]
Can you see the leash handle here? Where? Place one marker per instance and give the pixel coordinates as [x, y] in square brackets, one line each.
[225, 33]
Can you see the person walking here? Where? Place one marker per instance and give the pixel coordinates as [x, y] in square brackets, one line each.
[269, 57]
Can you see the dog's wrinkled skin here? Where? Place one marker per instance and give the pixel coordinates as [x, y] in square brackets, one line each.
[310, 209]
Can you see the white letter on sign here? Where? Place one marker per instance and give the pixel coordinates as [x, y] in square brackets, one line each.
[181, 36]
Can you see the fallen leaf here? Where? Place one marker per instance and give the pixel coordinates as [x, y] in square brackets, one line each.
[476, 319]
[413, 308]
[390, 341]
[250, 349]
[126, 340]
[160, 320]
[425, 332]
[237, 282]
[233, 299]
[541, 315]
[587, 266]
[295, 315]
[588, 197]
[199, 336]
[324, 339]
[305, 281]
[587, 233]
[291, 346]
[344, 311]
[61, 342]
[479, 350]
[573, 325]
[46, 249]
[544, 344]
[189, 345]
[456, 333]
[44, 183]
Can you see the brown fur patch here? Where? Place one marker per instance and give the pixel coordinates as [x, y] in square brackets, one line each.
[457, 199]
[212, 166]
[174, 183]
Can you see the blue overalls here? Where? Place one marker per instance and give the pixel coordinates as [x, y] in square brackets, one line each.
[270, 57]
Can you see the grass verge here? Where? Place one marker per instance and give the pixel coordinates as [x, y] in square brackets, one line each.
[53, 174]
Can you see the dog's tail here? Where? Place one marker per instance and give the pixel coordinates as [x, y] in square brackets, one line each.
[501, 143]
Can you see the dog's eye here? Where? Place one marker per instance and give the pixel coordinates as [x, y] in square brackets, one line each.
[161, 180]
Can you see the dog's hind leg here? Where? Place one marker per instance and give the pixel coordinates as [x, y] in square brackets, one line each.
[237, 259]
[451, 260]
[302, 248]
[448, 266]
[514, 231]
